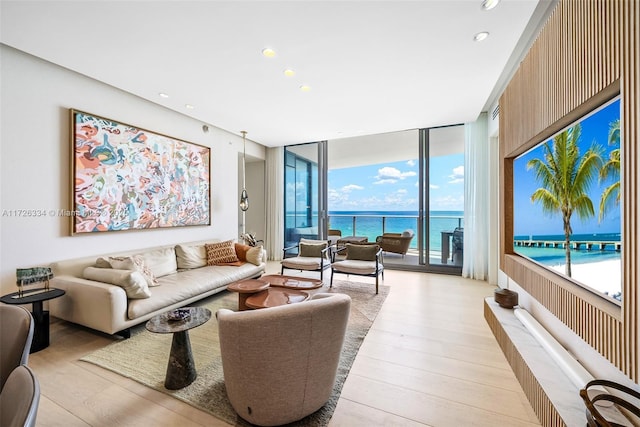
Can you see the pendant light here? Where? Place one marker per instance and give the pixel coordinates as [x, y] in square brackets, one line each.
[244, 197]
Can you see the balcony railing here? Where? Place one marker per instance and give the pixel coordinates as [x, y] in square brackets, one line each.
[372, 225]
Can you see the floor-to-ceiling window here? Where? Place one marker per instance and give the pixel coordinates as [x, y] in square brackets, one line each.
[403, 190]
[444, 159]
[303, 192]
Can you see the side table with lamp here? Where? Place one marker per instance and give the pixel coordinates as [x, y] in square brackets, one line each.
[36, 296]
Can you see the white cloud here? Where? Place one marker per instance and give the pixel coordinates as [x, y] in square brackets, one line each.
[402, 191]
[411, 162]
[457, 176]
[351, 187]
[389, 175]
[433, 186]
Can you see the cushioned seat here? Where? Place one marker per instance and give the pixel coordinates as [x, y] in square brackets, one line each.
[313, 255]
[280, 363]
[19, 399]
[16, 334]
[361, 260]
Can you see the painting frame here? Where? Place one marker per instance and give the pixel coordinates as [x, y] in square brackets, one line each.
[126, 178]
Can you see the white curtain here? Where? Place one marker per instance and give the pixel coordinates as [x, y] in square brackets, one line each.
[274, 240]
[476, 199]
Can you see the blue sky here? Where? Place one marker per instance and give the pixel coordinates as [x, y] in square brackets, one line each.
[394, 186]
[529, 218]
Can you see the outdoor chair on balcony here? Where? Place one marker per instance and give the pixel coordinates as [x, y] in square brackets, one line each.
[458, 245]
[396, 242]
[333, 236]
[313, 255]
[364, 259]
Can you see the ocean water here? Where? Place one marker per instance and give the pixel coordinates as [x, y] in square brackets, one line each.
[370, 224]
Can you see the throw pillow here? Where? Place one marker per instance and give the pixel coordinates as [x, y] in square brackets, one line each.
[189, 257]
[312, 250]
[255, 255]
[241, 251]
[102, 263]
[362, 252]
[221, 253]
[135, 263]
[134, 285]
[160, 262]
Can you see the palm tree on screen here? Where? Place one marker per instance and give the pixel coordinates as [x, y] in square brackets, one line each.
[565, 177]
[611, 169]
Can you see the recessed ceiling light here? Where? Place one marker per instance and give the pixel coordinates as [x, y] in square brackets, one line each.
[163, 95]
[481, 36]
[189, 106]
[305, 88]
[289, 72]
[489, 4]
[268, 52]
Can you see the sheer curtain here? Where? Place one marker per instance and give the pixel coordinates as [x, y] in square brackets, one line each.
[274, 241]
[476, 199]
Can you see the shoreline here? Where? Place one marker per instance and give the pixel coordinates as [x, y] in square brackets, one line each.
[603, 276]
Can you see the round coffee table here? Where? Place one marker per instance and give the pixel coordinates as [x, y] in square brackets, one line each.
[244, 288]
[273, 297]
[181, 370]
[291, 282]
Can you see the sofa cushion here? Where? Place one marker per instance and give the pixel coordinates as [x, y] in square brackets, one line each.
[313, 250]
[188, 257]
[241, 251]
[134, 263]
[256, 255]
[221, 253]
[132, 281]
[103, 263]
[362, 252]
[161, 261]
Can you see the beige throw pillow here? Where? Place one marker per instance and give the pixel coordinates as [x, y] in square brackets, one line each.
[131, 281]
[189, 257]
[255, 255]
[221, 253]
[135, 263]
[160, 261]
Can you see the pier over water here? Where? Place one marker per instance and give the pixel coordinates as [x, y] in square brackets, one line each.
[575, 244]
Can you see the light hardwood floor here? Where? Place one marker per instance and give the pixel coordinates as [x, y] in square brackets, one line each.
[429, 359]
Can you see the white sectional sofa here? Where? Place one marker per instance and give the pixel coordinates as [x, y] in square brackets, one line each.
[181, 278]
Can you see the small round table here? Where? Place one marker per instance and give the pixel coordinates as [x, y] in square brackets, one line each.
[35, 297]
[245, 288]
[181, 370]
[273, 297]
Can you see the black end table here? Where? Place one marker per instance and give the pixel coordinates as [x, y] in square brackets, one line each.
[40, 316]
[181, 369]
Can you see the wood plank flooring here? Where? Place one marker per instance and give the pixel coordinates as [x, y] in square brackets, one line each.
[429, 359]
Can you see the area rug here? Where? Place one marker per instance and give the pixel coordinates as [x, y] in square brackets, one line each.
[143, 357]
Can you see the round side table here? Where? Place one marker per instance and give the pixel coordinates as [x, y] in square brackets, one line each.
[181, 369]
[36, 297]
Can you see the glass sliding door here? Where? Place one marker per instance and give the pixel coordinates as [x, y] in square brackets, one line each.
[445, 198]
[304, 199]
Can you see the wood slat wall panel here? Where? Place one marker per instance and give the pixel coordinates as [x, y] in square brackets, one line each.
[540, 402]
[586, 51]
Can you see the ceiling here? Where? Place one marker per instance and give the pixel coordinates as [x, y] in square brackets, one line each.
[373, 66]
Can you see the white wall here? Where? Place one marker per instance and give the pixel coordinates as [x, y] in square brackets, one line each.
[35, 154]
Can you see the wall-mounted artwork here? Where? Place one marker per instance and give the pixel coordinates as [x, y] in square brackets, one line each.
[127, 178]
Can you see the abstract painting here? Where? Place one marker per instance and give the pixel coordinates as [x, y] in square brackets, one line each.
[128, 178]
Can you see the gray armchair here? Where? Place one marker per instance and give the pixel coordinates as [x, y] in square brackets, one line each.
[16, 334]
[363, 259]
[19, 399]
[280, 363]
[313, 255]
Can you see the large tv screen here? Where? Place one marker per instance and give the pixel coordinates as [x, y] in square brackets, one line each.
[566, 202]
